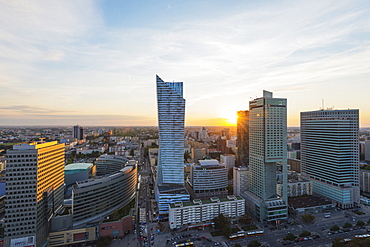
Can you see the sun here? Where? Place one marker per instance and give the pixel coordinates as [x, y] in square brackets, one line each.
[229, 115]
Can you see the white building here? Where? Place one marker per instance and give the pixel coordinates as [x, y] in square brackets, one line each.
[197, 211]
[296, 188]
[228, 160]
[330, 154]
[240, 180]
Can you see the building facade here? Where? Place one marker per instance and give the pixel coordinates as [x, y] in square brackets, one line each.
[296, 188]
[365, 180]
[267, 147]
[108, 164]
[34, 190]
[240, 180]
[207, 179]
[228, 160]
[93, 199]
[242, 141]
[78, 132]
[171, 117]
[197, 211]
[330, 154]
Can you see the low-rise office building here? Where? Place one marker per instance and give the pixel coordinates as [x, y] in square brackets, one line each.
[96, 198]
[197, 211]
[78, 171]
[207, 179]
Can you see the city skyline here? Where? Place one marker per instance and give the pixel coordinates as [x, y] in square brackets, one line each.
[92, 62]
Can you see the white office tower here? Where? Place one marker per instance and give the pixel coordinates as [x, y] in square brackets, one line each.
[171, 116]
[267, 148]
[330, 154]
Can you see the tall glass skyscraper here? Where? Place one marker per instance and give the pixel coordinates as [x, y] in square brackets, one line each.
[267, 148]
[330, 154]
[171, 116]
[242, 140]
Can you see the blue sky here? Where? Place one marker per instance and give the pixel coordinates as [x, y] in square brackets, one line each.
[94, 62]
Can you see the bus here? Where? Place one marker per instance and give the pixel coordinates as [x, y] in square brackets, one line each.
[241, 235]
[251, 234]
[259, 232]
[232, 237]
[191, 244]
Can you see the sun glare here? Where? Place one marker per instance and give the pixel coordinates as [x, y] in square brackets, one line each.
[230, 116]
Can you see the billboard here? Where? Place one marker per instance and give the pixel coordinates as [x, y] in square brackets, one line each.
[23, 242]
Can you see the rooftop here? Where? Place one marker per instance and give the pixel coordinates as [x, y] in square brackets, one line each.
[206, 201]
[308, 201]
[78, 166]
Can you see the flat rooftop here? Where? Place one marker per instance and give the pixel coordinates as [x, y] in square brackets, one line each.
[308, 202]
[198, 202]
[78, 166]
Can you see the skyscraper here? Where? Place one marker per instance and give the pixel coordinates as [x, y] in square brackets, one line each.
[34, 190]
[171, 116]
[267, 147]
[170, 173]
[330, 154]
[242, 141]
[78, 132]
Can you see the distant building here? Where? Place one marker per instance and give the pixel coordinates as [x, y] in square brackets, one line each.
[207, 179]
[365, 180]
[226, 133]
[294, 165]
[198, 154]
[197, 211]
[35, 185]
[221, 145]
[330, 154]
[242, 141]
[367, 149]
[78, 132]
[228, 160]
[240, 180]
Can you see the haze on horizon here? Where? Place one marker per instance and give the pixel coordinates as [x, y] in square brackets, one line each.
[94, 63]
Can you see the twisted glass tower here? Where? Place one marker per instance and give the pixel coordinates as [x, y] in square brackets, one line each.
[171, 115]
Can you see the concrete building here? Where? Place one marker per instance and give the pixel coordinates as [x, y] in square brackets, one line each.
[171, 117]
[78, 171]
[367, 149]
[330, 154]
[267, 147]
[241, 180]
[78, 132]
[228, 160]
[197, 211]
[242, 141]
[93, 199]
[365, 180]
[198, 154]
[72, 237]
[34, 190]
[296, 188]
[108, 164]
[294, 165]
[207, 179]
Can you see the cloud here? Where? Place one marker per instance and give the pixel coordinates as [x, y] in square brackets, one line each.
[27, 109]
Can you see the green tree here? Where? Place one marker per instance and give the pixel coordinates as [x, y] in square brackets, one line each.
[338, 242]
[132, 152]
[305, 234]
[290, 236]
[360, 223]
[246, 219]
[254, 243]
[237, 245]
[223, 223]
[347, 225]
[308, 218]
[334, 228]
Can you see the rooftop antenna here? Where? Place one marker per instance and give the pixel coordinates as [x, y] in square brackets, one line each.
[322, 104]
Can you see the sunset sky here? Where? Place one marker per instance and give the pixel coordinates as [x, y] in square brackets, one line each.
[94, 62]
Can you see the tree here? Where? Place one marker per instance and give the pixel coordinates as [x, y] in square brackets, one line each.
[237, 245]
[223, 223]
[338, 242]
[308, 218]
[132, 152]
[360, 223]
[104, 241]
[334, 228]
[304, 234]
[254, 243]
[290, 236]
[246, 219]
[347, 225]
